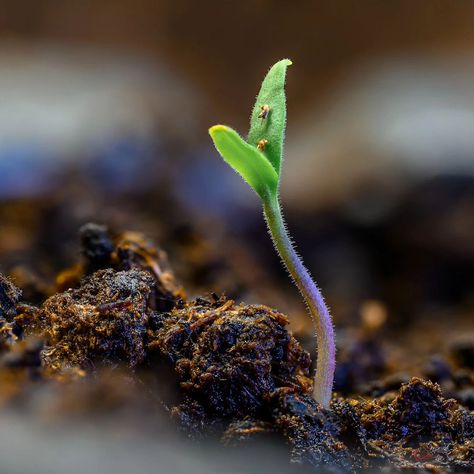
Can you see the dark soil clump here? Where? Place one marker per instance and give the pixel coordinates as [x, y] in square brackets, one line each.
[103, 321]
[231, 357]
[419, 428]
[102, 249]
[9, 297]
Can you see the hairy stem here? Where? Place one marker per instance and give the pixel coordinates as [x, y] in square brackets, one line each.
[326, 359]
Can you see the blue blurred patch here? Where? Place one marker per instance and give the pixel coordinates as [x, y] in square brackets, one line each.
[125, 164]
[25, 171]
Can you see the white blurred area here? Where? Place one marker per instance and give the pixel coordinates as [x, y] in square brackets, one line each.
[61, 96]
[387, 125]
[65, 103]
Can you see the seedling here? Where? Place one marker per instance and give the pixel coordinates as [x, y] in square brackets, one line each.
[258, 160]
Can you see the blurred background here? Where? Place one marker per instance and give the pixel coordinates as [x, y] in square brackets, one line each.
[104, 111]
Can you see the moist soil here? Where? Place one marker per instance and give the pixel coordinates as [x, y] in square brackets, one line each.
[117, 329]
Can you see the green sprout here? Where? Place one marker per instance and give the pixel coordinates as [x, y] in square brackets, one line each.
[258, 160]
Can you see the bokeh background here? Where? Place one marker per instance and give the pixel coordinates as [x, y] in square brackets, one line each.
[104, 111]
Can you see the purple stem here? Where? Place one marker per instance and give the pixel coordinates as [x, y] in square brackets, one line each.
[326, 359]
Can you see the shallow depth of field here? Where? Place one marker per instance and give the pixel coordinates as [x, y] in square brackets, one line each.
[138, 342]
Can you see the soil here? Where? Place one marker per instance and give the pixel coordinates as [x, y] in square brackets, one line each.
[117, 329]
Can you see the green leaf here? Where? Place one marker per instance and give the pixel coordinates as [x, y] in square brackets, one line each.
[247, 160]
[271, 128]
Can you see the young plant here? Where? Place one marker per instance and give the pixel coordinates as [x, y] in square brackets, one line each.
[258, 160]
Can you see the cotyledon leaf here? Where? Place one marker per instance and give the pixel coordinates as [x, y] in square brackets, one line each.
[246, 159]
[269, 124]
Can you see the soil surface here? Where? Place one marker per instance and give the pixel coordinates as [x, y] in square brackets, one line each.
[101, 326]
[116, 332]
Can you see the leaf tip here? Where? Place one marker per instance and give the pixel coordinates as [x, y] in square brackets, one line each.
[216, 129]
